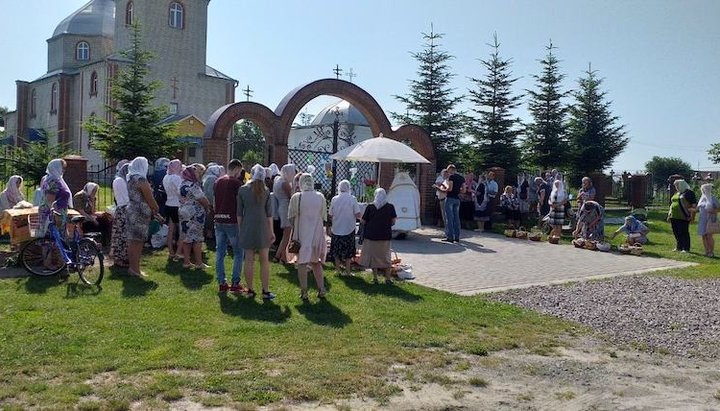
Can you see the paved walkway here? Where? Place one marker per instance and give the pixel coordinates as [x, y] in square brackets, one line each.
[489, 262]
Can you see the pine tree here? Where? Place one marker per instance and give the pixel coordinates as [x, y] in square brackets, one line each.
[136, 129]
[546, 145]
[495, 129]
[430, 102]
[595, 137]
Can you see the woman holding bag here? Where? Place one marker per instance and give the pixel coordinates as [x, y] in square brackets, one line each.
[307, 211]
[708, 208]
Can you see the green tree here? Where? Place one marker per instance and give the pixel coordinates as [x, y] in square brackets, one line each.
[714, 153]
[663, 167]
[430, 102]
[546, 144]
[495, 129]
[247, 138]
[3, 112]
[30, 160]
[595, 137]
[137, 129]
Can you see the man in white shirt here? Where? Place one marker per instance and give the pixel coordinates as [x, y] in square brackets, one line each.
[441, 195]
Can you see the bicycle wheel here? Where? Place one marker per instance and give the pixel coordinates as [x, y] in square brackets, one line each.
[89, 262]
[42, 257]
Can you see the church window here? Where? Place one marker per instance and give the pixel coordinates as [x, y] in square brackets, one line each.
[54, 98]
[173, 108]
[177, 16]
[93, 83]
[129, 10]
[33, 103]
[82, 51]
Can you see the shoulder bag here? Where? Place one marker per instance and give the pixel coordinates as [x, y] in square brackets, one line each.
[294, 246]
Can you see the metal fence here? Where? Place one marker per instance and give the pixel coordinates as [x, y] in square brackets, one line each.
[323, 171]
[103, 175]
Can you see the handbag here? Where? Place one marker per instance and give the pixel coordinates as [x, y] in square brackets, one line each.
[294, 246]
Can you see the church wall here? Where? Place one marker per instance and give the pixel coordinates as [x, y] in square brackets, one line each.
[61, 50]
[43, 119]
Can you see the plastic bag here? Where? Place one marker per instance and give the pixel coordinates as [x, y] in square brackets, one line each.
[159, 239]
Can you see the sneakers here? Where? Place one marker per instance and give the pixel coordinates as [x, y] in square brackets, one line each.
[224, 288]
[236, 288]
[267, 296]
[448, 240]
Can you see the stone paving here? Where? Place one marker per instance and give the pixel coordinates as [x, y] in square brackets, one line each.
[485, 262]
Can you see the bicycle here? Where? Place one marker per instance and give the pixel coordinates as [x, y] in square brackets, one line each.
[50, 255]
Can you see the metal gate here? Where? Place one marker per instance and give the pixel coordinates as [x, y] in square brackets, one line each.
[366, 174]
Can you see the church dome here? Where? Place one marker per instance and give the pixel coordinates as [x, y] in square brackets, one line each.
[348, 115]
[96, 18]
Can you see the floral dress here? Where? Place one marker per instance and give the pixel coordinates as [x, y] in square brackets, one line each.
[62, 196]
[191, 212]
[137, 212]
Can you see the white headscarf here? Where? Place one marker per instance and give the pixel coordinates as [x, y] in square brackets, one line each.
[161, 164]
[119, 166]
[557, 195]
[288, 173]
[307, 182]
[138, 167]
[344, 186]
[90, 188]
[12, 190]
[55, 169]
[258, 172]
[380, 198]
[274, 170]
[214, 171]
[706, 197]
[175, 167]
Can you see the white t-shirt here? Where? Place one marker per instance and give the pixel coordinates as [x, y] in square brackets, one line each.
[343, 208]
[120, 191]
[172, 182]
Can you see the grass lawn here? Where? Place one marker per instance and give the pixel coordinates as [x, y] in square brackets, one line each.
[172, 337]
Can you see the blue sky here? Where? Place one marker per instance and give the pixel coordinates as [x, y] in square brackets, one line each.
[660, 59]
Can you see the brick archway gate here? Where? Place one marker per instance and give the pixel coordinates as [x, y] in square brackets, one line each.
[276, 128]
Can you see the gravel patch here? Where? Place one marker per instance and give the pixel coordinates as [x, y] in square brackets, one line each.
[660, 314]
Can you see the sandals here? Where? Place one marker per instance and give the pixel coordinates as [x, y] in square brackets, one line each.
[304, 296]
[322, 295]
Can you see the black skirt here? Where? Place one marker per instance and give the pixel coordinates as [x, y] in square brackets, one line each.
[342, 246]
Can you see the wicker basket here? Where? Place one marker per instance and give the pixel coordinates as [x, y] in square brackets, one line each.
[554, 239]
[510, 233]
[578, 243]
[521, 233]
[535, 236]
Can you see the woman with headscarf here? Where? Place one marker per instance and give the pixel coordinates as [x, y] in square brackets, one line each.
[708, 208]
[159, 171]
[557, 199]
[56, 195]
[85, 202]
[119, 244]
[681, 213]
[590, 221]
[139, 211]
[171, 183]
[344, 211]
[307, 212]
[212, 173]
[254, 215]
[523, 194]
[192, 212]
[635, 231]
[379, 217]
[11, 195]
[282, 191]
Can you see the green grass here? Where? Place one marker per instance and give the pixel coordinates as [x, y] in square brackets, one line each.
[171, 337]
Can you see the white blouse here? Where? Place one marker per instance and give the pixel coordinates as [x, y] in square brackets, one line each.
[120, 191]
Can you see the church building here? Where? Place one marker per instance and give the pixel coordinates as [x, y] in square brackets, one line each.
[83, 57]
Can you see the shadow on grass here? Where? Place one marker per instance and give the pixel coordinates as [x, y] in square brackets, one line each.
[79, 289]
[324, 313]
[359, 284]
[132, 286]
[190, 278]
[289, 274]
[251, 309]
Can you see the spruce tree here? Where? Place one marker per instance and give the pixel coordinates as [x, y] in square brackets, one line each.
[595, 137]
[495, 129]
[546, 145]
[135, 129]
[430, 102]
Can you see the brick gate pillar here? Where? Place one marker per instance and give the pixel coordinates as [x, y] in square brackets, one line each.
[76, 173]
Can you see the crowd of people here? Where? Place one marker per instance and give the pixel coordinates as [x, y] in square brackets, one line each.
[247, 211]
[268, 208]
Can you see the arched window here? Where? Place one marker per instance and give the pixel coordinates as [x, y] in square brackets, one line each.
[129, 13]
[93, 83]
[33, 102]
[54, 98]
[177, 16]
[82, 51]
